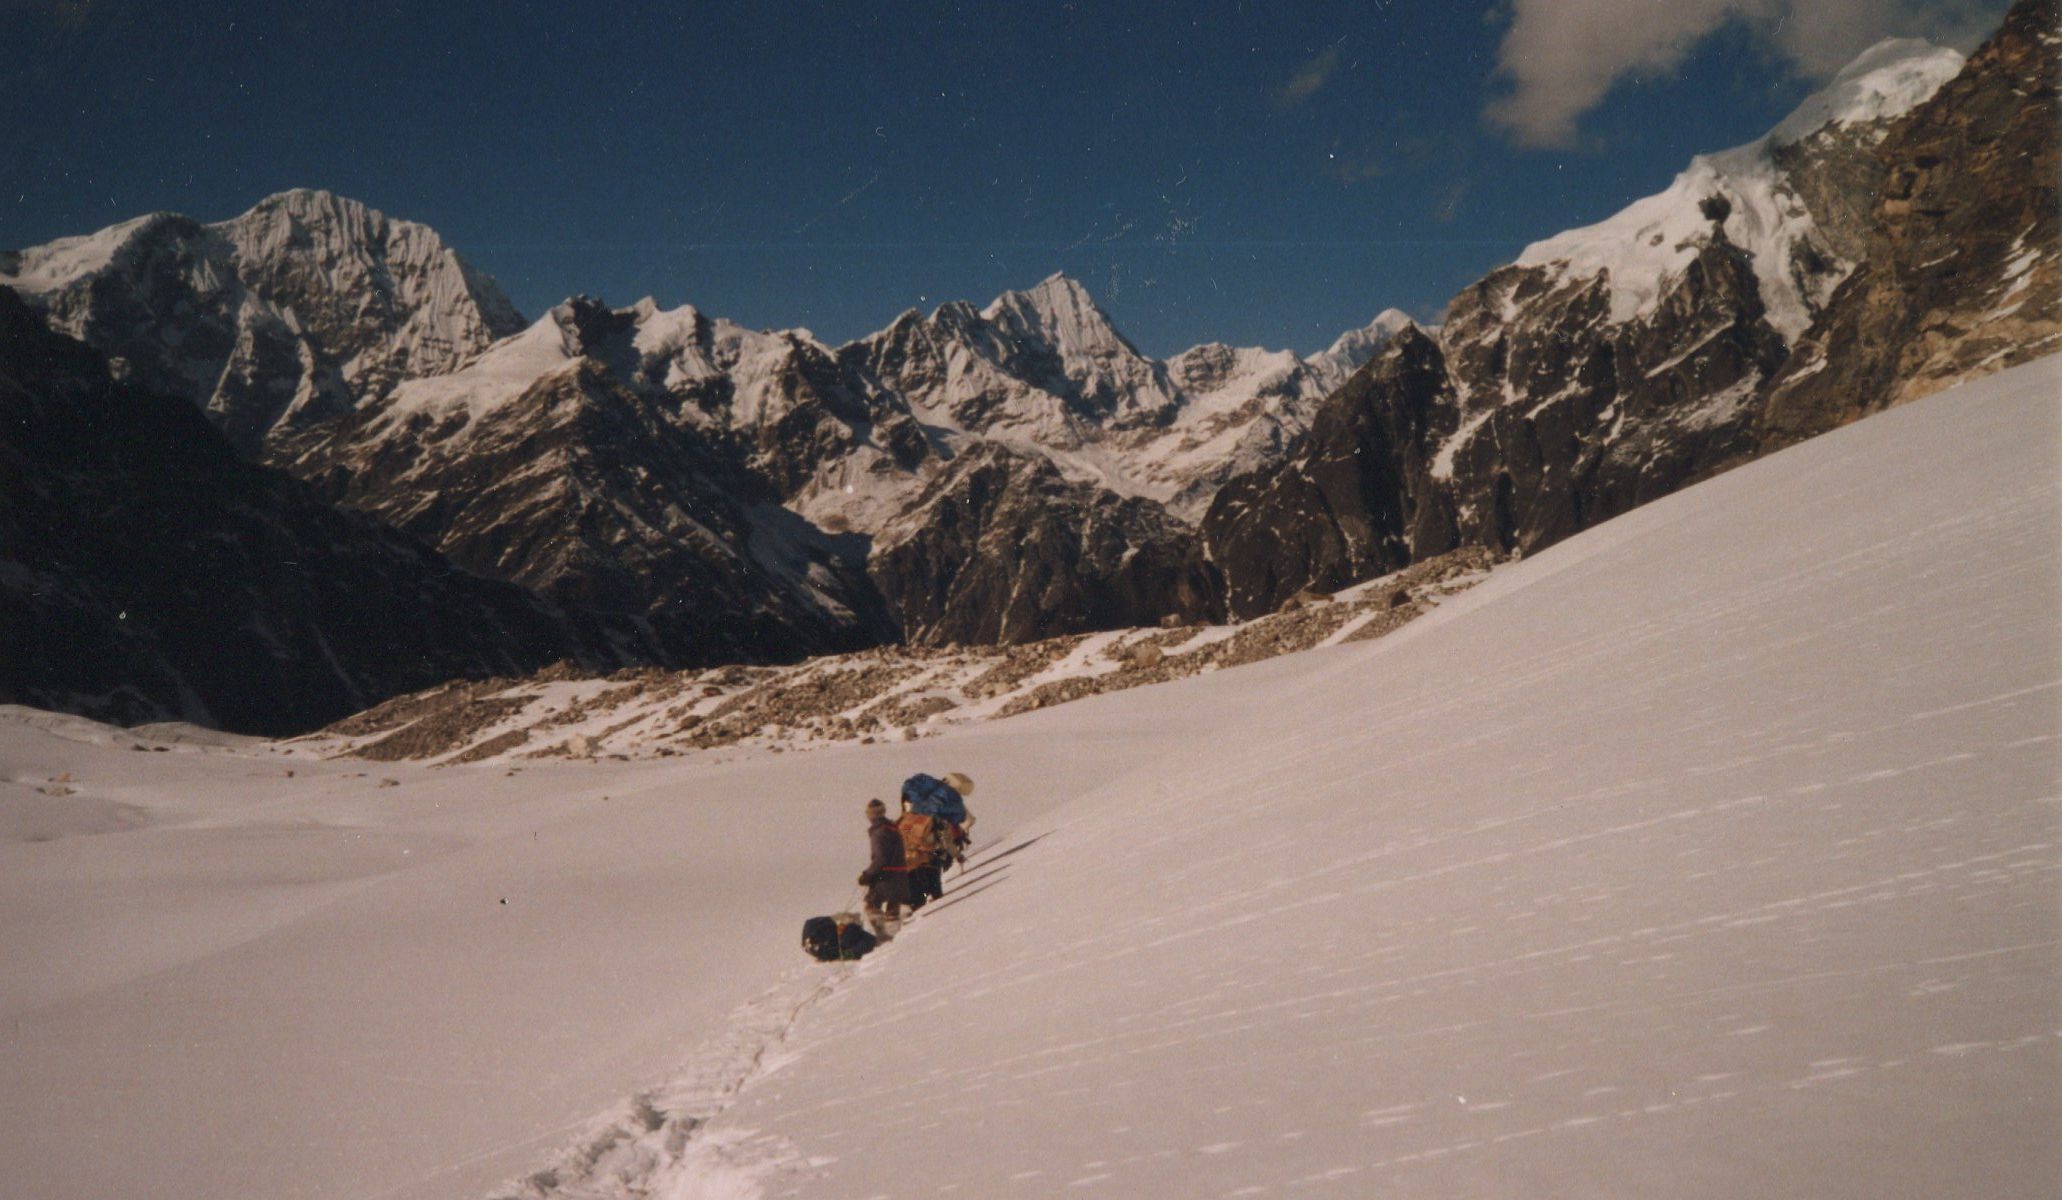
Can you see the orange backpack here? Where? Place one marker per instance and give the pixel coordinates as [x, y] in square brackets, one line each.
[919, 838]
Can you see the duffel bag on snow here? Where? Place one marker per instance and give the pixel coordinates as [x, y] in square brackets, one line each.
[934, 798]
[835, 939]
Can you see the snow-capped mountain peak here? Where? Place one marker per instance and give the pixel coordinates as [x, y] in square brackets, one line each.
[317, 209]
[497, 376]
[1055, 337]
[53, 266]
[1748, 195]
[311, 249]
[1060, 313]
[1886, 80]
[1042, 370]
[354, 301]
[1353, 348]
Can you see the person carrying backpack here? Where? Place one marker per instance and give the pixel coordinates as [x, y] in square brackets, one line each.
[886, 878]
[924, 840]
[934, 826]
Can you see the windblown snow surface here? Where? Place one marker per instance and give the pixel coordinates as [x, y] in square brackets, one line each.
[1712, 853]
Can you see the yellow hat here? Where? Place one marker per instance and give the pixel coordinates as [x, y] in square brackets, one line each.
[960, 783]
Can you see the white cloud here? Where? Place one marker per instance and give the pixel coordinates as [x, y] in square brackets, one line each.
[1310, 77]
[1559, 58]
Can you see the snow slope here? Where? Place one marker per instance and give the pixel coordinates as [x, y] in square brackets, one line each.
[1712, 852]
[227, 980]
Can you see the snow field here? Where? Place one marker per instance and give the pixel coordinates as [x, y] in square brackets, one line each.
[1712, 853]
[309, 985]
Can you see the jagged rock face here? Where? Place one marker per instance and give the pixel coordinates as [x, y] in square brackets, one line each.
[1540, 418]
[1011, 373]
[1246, 407]
[1002, 548]
[150, 573]
[1606, 368]
[947, 362]
[274, 322]
[578, 487]
[1963, 271]
[384, 300]
[1054, 337]
[1606, 416]
[1774, 198]
[721, 488]
[1044, 372]
[1836, 176]
[789, 407]
[1346, 507]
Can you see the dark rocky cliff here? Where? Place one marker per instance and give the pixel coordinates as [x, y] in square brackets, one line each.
[1002, 548]
[148, 572]
[1961, 274]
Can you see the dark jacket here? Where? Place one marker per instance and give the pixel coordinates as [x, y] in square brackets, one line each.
[887, 847]
[887, 875]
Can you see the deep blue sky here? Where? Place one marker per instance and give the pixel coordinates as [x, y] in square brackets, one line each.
[1265, 173]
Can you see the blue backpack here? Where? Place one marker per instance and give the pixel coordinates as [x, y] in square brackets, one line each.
[934, 798]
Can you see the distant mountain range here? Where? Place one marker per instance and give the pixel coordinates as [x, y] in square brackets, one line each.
[664, 487]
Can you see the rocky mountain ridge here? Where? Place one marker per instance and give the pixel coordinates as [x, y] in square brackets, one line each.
[275, 321]
[1960, 273]
[842, 497]
[147, 572]
[361, 355]
[579, 490]
[706, 493]
[1783, 287]
[1045, 372]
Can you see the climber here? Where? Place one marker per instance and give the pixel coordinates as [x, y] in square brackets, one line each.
[886, 878]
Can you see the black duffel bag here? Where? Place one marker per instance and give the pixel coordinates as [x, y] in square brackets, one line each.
[836, 939]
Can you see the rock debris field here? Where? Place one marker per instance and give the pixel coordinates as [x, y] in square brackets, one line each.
[887, 694]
